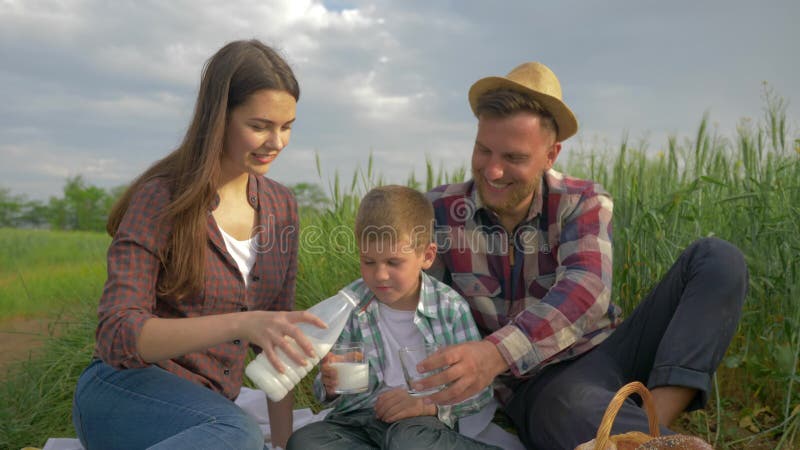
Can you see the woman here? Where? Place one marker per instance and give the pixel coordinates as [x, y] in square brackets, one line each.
[202, 263]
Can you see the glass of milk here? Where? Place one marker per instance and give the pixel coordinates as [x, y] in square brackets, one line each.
[409, 358]
[352, 369]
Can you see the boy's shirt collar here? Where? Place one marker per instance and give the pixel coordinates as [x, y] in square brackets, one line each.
[426, 304]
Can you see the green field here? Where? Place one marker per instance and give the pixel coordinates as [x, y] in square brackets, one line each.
[743, 188]
[48, 272]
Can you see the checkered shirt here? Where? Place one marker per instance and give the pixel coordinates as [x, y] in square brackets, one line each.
[554, 302]
[442, 317]
[129, 297]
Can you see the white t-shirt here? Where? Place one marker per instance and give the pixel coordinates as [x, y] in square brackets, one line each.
[242, 252]
[398, 330]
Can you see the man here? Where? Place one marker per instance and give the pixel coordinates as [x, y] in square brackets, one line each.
[531, 251]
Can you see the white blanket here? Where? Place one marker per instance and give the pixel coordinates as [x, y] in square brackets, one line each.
[254, 401]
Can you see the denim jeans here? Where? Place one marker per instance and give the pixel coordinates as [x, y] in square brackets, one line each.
[361, 430]
[675, 337]
[153, 408]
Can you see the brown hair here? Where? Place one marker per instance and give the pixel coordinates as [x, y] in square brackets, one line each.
[506, 102]
[395, 212]
[229, 77]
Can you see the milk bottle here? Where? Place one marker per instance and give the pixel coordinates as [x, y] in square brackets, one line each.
[334, 311]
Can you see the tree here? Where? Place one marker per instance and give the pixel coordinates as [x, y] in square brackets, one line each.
[83, 207]
[311, 199]
[10, 207]
[35, 214]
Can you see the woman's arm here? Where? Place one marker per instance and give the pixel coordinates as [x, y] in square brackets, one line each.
[130, 335]
[162, 339]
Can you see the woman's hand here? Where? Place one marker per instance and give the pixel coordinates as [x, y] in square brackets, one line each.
[270, 330]
[398, 404]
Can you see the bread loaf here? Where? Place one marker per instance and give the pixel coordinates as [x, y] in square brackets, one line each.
[626, 441]
[636, 440]
[675, 442]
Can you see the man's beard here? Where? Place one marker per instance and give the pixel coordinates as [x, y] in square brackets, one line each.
[518, 193]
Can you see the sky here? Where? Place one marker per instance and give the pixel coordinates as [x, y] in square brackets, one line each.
[102, 89]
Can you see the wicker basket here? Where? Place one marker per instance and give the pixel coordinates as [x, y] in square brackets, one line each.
[636, 440]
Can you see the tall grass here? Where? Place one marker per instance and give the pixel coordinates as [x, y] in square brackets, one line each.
[36, 400]
[45, 272]
[743, 188]
[746, 190]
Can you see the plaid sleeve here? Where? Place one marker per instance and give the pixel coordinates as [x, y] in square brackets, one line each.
[129, 293]
[458, 322]
[581, 293]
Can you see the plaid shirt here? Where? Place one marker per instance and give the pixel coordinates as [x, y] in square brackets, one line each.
[442, 317]
[129, 297]
[554, 302]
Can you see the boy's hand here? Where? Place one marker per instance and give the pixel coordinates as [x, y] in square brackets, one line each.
[397, 404]
[328, 375]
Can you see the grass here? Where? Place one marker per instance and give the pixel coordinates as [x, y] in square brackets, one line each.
[46, 272]
[743, 188]
[36, 401]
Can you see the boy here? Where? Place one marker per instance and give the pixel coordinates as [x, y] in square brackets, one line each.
[394, 231]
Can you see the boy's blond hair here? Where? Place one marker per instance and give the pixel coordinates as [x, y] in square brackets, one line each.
[388, 214]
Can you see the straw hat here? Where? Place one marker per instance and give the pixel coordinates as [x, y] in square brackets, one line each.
[538, 81]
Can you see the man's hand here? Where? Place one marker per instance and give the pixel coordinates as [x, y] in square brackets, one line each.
[397, 404]
[472, 367]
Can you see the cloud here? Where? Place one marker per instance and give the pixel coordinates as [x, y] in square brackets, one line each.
[39, 157]
[40, 168]
[106, 88]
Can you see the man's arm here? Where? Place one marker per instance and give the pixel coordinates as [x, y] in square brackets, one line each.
[571, 308]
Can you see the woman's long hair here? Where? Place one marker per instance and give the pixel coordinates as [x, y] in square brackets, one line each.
[192, 170]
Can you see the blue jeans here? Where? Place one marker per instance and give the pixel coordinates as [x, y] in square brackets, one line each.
[153, 408]
[675, 337]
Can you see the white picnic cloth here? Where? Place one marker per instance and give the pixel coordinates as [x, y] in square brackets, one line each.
[254, 401]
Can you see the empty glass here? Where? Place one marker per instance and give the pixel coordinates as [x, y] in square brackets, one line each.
[409, 358]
